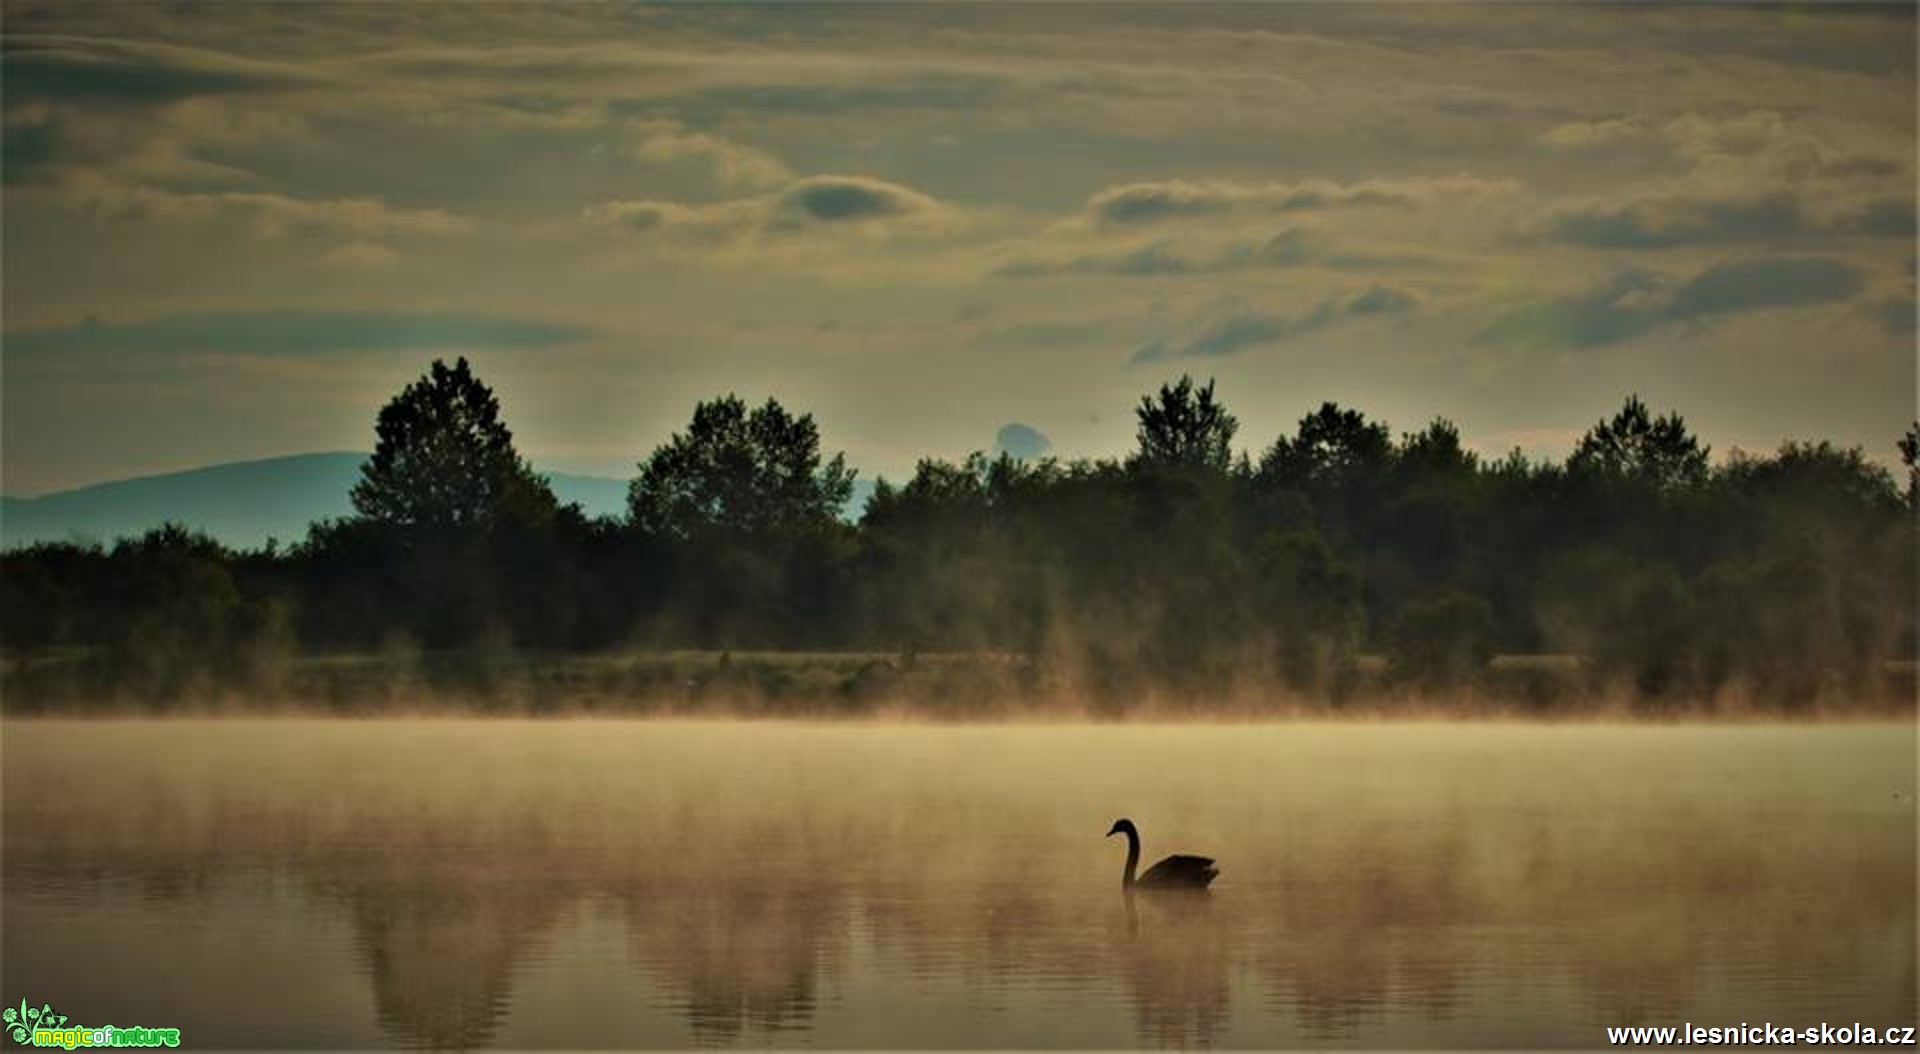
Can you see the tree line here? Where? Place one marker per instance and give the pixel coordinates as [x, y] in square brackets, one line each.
[1336, 555]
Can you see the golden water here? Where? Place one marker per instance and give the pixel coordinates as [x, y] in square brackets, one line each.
[654, 884]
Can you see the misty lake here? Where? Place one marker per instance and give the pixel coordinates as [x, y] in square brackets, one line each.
[604, 884]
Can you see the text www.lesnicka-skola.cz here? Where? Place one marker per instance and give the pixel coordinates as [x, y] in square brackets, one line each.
[1762, 1034]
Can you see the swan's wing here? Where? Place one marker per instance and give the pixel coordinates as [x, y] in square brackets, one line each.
[1181, 871]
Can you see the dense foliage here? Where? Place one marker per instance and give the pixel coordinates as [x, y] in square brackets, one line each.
[444, 461]
[1787, 578]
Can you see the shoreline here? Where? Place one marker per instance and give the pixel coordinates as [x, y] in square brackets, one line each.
[951, 688]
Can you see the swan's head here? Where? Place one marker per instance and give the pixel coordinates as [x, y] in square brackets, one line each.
[1122, 826]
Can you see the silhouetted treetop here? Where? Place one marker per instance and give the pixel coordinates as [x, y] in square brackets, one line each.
[735, 470]
[939, 490]
[1816, 477]
[1332, 446]
[1635, 446]
[444, 459]
[1185, 426]
[1910, 457]
[1435, 452]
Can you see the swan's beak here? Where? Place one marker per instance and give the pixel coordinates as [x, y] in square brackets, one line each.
[1111, 831]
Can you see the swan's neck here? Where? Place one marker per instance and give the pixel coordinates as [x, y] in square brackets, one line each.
[1133, 859]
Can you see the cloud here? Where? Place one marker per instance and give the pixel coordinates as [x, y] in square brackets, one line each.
[268, 215]
[1156, 258]
[293, 333]
[118, 71]
[733, 163]
[1676, 221]
[1382, 300]
[1245, 331]
[1588, 135]
[1637, 300]
[814, 203]
[1755, 133]
[645, 214]
[1143, 203]
[1884, 218]
[1021, 441]
[192, 144]
[27, 148]
[838, 199]
[919, 91]
[361, 254]
[1252, 329]
[1864, 166]
[1289, 248]
[1059, 333]
[1897, 314]
[1749, 285]
[1761, 176]
[1151, 202]
[1612, 311]
[1293, 247]
[1682, 220]
[1760, 136]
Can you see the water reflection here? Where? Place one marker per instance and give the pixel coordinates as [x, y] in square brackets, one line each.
[774, 889]
[741, 958]
[1407, 894]
[1175, 958]
[440, 941]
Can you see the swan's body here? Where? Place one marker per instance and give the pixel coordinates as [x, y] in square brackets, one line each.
[1175, 872]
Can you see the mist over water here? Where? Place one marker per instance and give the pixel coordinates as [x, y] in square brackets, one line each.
[599, 883]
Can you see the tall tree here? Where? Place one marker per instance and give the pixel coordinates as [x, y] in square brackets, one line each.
[1636, 446]
[1332, 448]
[741, 472]
[1436, 453]
[1185, 426]
[444, 459]
[1910, 457]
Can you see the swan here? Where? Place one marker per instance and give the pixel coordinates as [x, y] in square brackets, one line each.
[1175, 872]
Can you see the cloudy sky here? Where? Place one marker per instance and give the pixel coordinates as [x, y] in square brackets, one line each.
[232, 231]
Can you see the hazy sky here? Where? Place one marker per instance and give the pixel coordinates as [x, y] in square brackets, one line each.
[233, 231]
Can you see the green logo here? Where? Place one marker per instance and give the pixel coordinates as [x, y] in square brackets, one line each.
[39, 1026]
[20, 1023]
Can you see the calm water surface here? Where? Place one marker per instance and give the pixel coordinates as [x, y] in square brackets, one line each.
[649, 884]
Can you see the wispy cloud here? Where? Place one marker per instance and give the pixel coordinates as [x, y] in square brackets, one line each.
[1253, 329]
[1290, 248]
[293, 333]
[105, 70]
[733, 163]
[1636, 301]
[265, 214]
[1143, 203]
[1671, 222]
[826, 203]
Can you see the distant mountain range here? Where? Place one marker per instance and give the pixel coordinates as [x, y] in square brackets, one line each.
[244, 503]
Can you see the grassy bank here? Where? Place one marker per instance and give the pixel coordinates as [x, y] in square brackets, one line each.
[955, 685]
